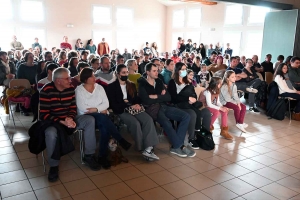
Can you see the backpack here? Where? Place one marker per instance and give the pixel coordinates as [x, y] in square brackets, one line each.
[261, 95]
[273, 93]
[277, 110]
[205, 140]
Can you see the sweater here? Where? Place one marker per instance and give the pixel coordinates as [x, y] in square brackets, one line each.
[105, 77]
[133, 78]
[212, 103]
[225, 96]
[42, 82]
[92, 49]
[282, 85]
[65, 45]
[37, 45]
[56, 105]
[27, 72]
[96, 99]
[103, 48]
[16, 45]
[294, 75]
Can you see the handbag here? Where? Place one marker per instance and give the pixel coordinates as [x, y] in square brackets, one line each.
[205, 140]
[153, 110]
[133, 111]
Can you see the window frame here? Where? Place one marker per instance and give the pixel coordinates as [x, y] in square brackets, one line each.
[104, 6]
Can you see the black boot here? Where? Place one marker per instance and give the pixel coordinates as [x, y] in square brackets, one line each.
[104, 162]
[53, 174]
[90, 161]
[124, 144]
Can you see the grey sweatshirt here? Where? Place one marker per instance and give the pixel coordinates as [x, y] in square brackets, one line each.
[226, 97]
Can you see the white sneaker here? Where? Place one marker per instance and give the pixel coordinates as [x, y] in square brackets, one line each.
[251, 90]
[150, 155]
[245, 125]
[241, 127]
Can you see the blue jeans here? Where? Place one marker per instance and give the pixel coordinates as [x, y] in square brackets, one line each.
[163, 118]
[107, 128]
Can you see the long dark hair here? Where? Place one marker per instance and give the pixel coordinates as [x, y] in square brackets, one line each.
[213, 85]
[71, 62]
[89, 41]
[130, 86]
[175, 75]
[279, 70]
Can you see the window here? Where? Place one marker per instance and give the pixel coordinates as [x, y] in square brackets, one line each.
[194, 18]
[125, 39]
[175, 39]
[6, 10]
[194, 36]
[32, 11]
[234, 15]
[234, 39]
[257, 14]
[28, 34]
[6, 38]
[98, 35]
[101, 15]
[178, 18]
[253, 44]
[124, 17]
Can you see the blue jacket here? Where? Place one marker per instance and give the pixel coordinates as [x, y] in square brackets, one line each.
[167, 76]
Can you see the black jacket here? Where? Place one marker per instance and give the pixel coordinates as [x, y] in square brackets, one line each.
[3, 71]
[37, 142]
[145, 89]
[115, 96]
[142, 67]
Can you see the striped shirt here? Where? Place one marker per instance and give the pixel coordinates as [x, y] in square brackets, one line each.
[56, 105]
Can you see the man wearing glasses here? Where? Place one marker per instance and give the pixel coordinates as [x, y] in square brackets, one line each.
[58, 104]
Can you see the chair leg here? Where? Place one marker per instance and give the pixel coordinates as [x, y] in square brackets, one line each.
[290, 110]
[11, 112]
[80, 134]
[44, 165]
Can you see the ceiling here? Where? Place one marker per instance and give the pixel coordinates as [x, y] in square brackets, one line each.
[170, 3]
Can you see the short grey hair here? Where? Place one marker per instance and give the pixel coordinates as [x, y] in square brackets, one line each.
[129, 62]
[58, 72]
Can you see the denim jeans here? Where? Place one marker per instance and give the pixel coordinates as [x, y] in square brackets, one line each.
[167, 113]
[243, 85]
[107, 128]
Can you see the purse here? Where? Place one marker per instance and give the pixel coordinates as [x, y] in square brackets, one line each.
[153, 110]
[133, 111]
[205, 140]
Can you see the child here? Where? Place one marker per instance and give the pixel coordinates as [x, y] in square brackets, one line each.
[230, 99]
[203, 75]
[215, 107]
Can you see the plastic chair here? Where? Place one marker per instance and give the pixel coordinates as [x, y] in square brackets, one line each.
[268, 77]
[13, 84]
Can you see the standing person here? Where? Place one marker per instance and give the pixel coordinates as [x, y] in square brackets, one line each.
[210, 50]
[153, 93]
[179, 43]
[218, 48]
[91, 100]
[79, 45]
[103, 48]
[230, 99]
[183, 95]
[189, 45]
[147, 50]
[168, 71]
[154, 50]
[91, 46]
[194, 48]
[181, 48]
[202, 51]
[65, 44]
[16, 45]
[216, 108]
[36, 44]
[133, 76]
[228, 50]
[123, 96]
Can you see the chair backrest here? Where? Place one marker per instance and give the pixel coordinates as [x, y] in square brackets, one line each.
[19, 82]
[268, 77]
[198, 90]
[260, 76]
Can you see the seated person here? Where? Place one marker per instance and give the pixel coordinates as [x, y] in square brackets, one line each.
[156, 62]
[294, 72]
[175, 57]
[143, 64]
[91, 100]
[280, 60]
[267, 65]
[105, 74]
[196, 67]
[204, 75]
[7, 69]
[256, 65]
[286, 88]
[58, 104]
[50, 68]
[167, 71]
[95, 64]
[28, 69]
[248, 81]
[153, 93]
[41, 69]
[183, 95]
[73, 62]
[211, 59]
[71, 54]
[75, 81]
[122, 95]
[84, 56]
[133, 68]
[62, 58]
[217, 65]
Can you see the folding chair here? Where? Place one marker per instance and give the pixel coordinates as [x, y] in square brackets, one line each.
[12, 84]
[268, 77]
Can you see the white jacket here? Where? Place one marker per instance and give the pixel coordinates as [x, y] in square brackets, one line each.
[282, 85]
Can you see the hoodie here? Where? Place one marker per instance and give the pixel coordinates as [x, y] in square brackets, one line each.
[167, 75]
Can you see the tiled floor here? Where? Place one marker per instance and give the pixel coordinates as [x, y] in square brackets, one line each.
[262, 164]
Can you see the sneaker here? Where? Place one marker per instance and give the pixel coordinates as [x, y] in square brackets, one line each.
[253, 109]
[251, 90]
[104, 162]
[90, 161]
[53, 174]
[124, 144]
[241, 127]
[150, 154]
[245, 125]
[189, 152]
[193, 144]
[178, 152]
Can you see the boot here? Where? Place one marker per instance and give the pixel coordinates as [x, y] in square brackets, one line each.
[296, 116]
[225, 134]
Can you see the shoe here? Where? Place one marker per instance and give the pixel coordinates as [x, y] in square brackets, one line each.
[104, 162]
[193, 144]
[53, 174]
[178, 152]
[189, 152]
[150, 155]
[253, 109]
[124, 144]
[251, 90]
[245, 125]
[225, 134]
[90, 161]
[241, 127]
[17, 108]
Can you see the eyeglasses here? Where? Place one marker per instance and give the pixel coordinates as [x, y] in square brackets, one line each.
[68, 78]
